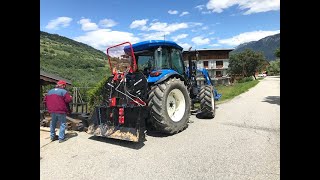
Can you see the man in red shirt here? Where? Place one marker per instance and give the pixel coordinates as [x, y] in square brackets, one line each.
[57, 102]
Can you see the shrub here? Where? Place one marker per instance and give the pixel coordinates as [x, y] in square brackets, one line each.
[245, 79]
[96, 94]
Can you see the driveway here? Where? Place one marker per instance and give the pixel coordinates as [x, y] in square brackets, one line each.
[241, 142]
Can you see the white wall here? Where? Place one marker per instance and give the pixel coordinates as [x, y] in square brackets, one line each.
[211, 64]
[226, 63]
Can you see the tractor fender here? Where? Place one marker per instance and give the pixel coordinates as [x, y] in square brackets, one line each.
[170, 75]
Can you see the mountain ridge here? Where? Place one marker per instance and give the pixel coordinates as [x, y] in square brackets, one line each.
[266, 45]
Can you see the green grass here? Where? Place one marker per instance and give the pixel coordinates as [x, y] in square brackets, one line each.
[229, 92]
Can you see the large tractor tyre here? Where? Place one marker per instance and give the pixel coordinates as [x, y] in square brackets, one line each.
[207, 103]
[169, 105]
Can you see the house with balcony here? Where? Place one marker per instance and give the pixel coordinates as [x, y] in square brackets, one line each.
[215, 61]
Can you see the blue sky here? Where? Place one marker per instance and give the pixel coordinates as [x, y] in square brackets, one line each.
[211, 24]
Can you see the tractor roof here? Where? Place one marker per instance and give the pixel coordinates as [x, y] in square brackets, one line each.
[151, 44]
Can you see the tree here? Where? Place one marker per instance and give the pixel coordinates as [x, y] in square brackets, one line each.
[235, 65]
[277, 53]
[274, 68]
[246, 63]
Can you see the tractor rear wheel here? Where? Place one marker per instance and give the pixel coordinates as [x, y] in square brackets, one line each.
[169, 104]
[207, 103]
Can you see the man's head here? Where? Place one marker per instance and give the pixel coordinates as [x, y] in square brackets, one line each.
[61, 84]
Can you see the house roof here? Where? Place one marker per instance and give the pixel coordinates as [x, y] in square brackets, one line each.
[51, 78]
[209, 50]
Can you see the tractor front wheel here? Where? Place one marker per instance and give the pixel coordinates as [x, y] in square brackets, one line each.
[207, 103]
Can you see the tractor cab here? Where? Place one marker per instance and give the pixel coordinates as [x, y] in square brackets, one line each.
[157, 58]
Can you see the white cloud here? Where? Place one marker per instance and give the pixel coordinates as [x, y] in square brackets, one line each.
[173, 12]
[206, 12]
[205, 28]
[60, 21]
[200, 40]
[87, 25]
[153, 36]
[139, 23]
[157, 26]
[247, 37]
[215, 45]
[107, 23]
[211, 32]
[185, 46]
[251, 6]
[103, 38]
[192, 24]
[164, 27]
[200, 7]
[184, 13]
[180, 36]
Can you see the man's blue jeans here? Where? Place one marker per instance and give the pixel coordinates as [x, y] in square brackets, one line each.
[61, 118]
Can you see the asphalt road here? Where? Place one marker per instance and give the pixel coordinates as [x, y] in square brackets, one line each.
[241, 142]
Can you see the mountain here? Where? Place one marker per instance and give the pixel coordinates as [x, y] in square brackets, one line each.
[267, 45]
[78, 62]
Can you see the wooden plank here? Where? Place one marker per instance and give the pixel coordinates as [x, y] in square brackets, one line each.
[74, 120]
[46, 129]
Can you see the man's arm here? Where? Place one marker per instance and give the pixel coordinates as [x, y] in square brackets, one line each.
[67, 98]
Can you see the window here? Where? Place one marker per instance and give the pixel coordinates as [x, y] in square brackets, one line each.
[218, 73]
[205, 64]
[219, 64]
[176, 61]
[144, 62]
[211, 73]
[161, 56]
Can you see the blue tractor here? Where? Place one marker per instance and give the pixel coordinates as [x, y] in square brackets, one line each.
[150, 88]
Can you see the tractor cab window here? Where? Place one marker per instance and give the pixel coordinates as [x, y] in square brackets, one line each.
[161, 56]
[144, 62]
[177, 61]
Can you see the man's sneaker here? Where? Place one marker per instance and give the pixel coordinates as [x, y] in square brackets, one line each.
[62, 140]
[55, 138]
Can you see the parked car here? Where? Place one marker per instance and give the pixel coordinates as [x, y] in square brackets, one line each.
[262, 75]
